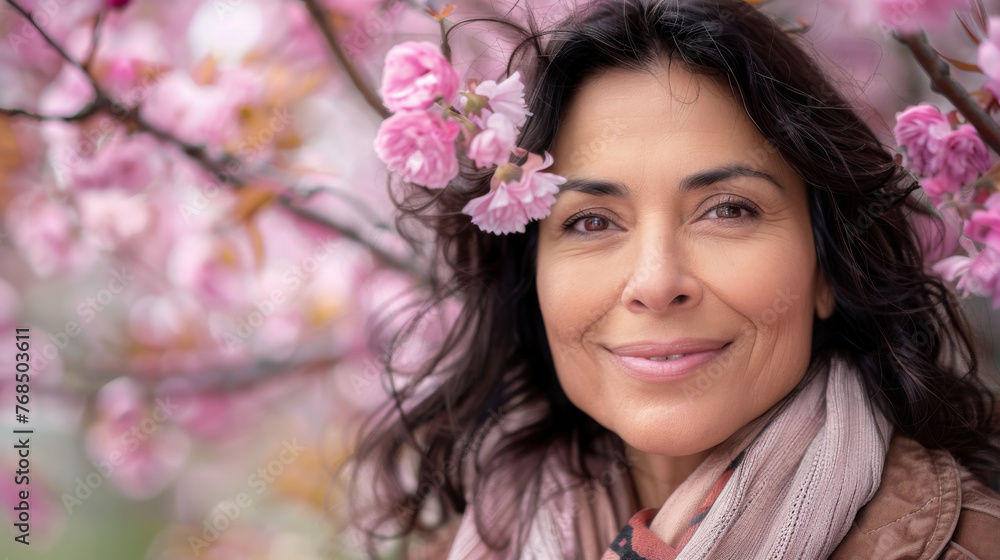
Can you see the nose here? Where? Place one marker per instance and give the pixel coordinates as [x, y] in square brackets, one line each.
[660, 276]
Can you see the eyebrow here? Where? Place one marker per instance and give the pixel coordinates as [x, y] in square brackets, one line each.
[618, 189]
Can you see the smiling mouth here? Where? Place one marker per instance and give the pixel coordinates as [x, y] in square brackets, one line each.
[672, 367]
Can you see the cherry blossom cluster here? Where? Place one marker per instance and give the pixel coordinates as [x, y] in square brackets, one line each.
[902, 15]
[434, 124]
[958, 176]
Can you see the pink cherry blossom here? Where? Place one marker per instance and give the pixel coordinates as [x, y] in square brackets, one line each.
[23, 45]
[493, 144]
[112, 217]
[216, 417]
[126, 79]
[989, 52]
[69, 92]
[420, 147]
[211, 268]
[909, 16]
[353, 8]
[134, 440]
[919, 130]
[962, 155]
[415, 76]
[45, 232]
[939, 237]
[129, 162]
[903, 15]
[509, 206]
[978, 273]
[956, 267]
[984, 225]
[983, 277]
[203, 114]
[506, 98]
[161, 321]
[939, 186]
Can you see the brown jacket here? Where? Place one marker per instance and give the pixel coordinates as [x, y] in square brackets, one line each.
[927, 507]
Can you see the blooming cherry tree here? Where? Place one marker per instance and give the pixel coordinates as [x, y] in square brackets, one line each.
[194, 225]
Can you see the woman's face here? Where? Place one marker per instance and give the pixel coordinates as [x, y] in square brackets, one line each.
[680, 232]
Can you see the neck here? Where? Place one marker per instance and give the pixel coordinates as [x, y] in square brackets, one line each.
[657, 476]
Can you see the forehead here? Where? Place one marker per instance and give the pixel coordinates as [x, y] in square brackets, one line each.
[662, 121]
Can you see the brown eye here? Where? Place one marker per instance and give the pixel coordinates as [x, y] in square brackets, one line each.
[729, 211]
[594, 223]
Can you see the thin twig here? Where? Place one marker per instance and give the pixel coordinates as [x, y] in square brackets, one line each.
[88, 111]
[356, 236]
[320, 15]
[95, 38]
[197, 153]
[359, 205]
[99, 94]
[942, 82]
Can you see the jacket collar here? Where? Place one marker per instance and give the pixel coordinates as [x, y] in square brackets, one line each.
[913, 513]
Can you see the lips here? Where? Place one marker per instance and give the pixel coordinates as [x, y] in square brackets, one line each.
[662, 361]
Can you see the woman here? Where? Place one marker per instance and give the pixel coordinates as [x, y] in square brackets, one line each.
[722, 341]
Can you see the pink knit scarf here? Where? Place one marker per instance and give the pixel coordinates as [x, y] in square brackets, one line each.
[808, 465]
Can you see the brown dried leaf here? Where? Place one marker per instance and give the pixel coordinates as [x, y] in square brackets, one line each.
[984, 98]
[979, 12]
[251, 199]
[256, 244]
[10, 152]
[968, 29]
[439, 16]
[967, 66]
[10, 158]
[204, 72]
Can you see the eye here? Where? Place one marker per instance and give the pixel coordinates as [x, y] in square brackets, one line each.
[728, 211]
[732, 209]
[587, 221]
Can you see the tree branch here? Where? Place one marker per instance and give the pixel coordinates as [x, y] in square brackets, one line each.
[942, 82]
[95, 38]
[356, 236]
[319, 14]
[228, 168]
[100, 96]
[88, 111]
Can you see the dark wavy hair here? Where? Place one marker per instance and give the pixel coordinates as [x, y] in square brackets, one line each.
[899, 325]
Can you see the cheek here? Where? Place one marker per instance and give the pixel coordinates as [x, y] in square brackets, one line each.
[769, 282]
[773, 293]
[574, 297]
[574, 293]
